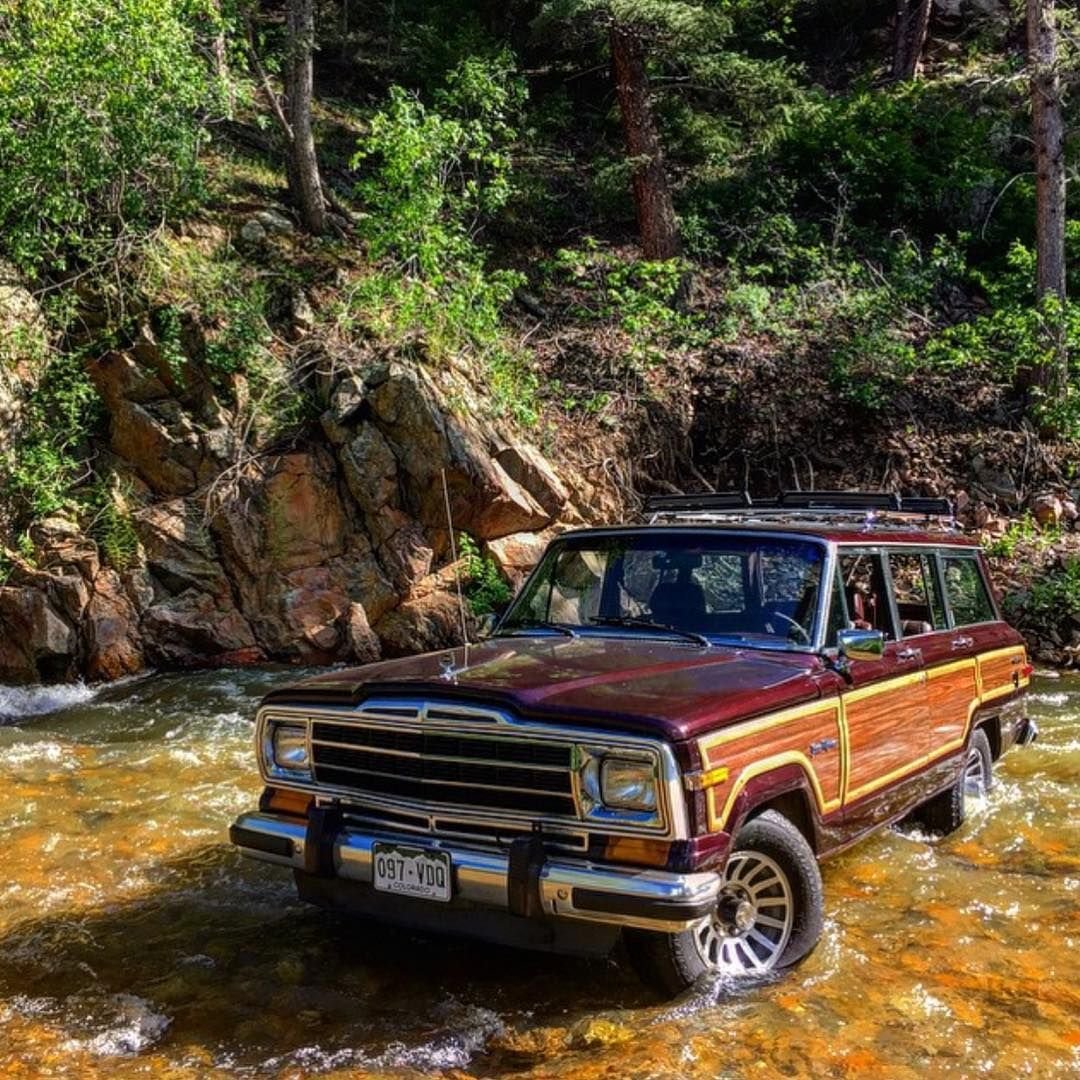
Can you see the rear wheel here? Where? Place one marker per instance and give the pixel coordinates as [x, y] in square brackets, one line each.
[946, 812]
[769, 914]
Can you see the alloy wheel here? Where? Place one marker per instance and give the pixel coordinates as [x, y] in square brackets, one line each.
[975, 777]
[748, 931]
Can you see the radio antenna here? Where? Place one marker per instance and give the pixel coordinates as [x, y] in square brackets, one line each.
[457, 568]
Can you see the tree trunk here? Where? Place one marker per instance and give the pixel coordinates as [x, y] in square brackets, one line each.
[1048, 129]
[912, 28]
[652, 197]
[304, 176]
[220, 56]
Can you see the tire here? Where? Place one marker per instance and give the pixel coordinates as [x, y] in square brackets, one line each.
[770, 914]
[947, 811]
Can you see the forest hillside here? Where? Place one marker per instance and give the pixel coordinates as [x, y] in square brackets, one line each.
[273, 274]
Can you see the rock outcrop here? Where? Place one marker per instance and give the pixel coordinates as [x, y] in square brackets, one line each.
[334, 548]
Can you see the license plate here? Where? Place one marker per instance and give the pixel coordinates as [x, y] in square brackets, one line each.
[411, 871]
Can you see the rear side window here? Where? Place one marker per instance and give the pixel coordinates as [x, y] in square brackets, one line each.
[866, 592]
[918, 600]
[969, 599]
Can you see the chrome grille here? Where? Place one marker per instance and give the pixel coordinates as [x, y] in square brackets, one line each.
[447, 768]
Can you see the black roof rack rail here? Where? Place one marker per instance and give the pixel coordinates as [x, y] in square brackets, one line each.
[711, 500]
[840, 500]
[803, 504]
[928, 506]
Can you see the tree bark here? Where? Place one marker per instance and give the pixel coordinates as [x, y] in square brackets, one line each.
[304, 175]
[1048, 129]
[657, 224]
[912, 28]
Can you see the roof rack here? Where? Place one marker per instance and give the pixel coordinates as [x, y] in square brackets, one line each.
[868, 508]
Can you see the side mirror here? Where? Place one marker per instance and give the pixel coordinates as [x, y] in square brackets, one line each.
[861, 644]
[485, 625]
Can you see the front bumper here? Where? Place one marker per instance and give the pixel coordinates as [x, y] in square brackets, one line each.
[522, 881]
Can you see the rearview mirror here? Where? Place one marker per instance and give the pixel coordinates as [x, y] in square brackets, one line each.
[485, 625]
[861, 644]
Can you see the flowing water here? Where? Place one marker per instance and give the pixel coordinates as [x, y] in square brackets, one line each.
[133, 942]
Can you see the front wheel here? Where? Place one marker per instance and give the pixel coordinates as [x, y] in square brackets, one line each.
[769, 914]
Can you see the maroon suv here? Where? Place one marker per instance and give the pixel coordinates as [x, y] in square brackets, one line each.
[661, 738]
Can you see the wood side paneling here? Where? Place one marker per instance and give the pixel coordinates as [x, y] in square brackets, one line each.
[952, 693]
[810, 736]
[885, 723]
[1001, 672]
[883, 732]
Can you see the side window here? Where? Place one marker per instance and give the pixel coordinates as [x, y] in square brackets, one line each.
[838, 616]
[863, 578]
[969, 599]
[918, 601]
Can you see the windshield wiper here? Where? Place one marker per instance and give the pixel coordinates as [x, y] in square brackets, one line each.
[541, 624]
[646, 624]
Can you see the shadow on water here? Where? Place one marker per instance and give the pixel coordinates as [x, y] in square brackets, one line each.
[222, 951]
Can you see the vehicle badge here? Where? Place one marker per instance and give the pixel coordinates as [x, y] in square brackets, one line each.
[448, 671]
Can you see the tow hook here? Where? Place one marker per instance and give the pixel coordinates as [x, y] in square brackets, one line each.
[1027, 733]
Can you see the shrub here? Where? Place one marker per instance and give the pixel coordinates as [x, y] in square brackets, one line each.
[100, 125]
[437, 176]
[485, 589]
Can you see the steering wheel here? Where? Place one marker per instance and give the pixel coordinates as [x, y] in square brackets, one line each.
[795, 626]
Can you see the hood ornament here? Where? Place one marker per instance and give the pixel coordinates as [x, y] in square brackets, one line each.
[448, 670]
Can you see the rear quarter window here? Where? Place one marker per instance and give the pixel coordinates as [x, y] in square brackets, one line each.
[969, 598]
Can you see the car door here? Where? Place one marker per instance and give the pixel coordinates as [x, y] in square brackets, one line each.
[951, 674]
[977, 632]
[885, 706]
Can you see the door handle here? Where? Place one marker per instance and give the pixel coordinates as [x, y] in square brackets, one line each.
[962, 642]
[907, 656]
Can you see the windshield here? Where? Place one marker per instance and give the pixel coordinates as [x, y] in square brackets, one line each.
[756, 591]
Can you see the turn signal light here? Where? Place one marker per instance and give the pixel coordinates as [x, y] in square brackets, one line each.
[1027, 671]
[632, 849]
[282, 801]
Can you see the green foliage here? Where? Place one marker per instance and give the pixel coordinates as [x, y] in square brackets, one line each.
[638, 296]
[112, 525]
[63, 410]
[100, 124]
[1024, 532]
[438, 175]
[440, 172]
[486, 590]
[1055, 597]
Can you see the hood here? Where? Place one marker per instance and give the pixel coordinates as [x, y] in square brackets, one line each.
[672, 689]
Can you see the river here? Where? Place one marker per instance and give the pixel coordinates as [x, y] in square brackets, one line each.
[134, 942]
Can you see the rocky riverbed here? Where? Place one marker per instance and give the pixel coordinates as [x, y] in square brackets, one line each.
[133, 941]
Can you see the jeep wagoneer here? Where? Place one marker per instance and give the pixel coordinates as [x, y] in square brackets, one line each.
[661, 738]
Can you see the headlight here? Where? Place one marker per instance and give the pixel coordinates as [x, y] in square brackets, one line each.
[627, 785]
[289, 750]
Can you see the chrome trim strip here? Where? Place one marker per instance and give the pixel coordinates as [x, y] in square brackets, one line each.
[481, 876]
[414, 756]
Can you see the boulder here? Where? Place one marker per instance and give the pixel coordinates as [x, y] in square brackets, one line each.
[516, 555]
[427, 441]
[111, 631]
[36, 643]
[363, 641]
[1047, 509]
[193, 628]
[421, 625]
[526, 466]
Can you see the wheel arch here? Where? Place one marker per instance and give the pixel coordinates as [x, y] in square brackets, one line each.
[786, 790]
